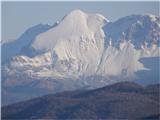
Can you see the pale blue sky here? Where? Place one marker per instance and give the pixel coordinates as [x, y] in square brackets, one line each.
[19, 16]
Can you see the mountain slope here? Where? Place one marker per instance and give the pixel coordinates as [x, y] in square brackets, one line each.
[138, 28]
[21, 46]
[72, 41]
[79, 52]
[123, 100]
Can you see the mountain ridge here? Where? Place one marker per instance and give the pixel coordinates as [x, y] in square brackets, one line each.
[103, 103]
[79, 52]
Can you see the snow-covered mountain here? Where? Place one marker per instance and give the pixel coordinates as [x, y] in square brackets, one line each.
[21, 46]
[137, 28]
[83, 50]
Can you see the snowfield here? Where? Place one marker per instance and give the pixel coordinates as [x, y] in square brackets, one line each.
[83, 50]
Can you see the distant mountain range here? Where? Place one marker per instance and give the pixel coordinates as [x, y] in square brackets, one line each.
[124, 100]
[82, 51]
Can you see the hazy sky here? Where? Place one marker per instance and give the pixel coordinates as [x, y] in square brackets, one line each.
[19, 16]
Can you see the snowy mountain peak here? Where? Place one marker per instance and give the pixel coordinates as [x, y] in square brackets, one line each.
[74, 15]
[76, 12]
[136, 28]
[81, 50]
[74, 26]
[79, 13]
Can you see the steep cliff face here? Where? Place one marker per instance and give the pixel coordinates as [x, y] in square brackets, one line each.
[83, 50]
[137, 28]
